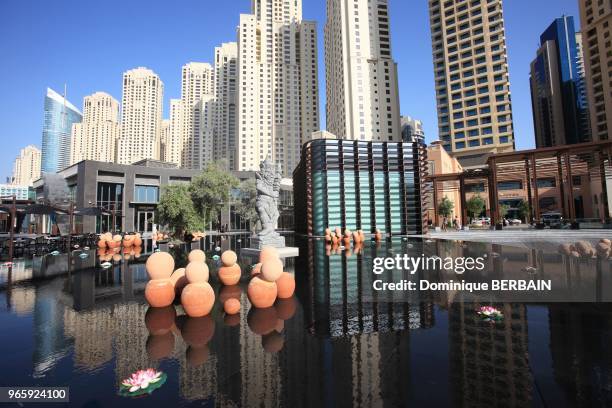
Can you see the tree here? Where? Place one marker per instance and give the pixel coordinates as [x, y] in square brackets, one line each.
[475, 206]
[503, 210]
[445, 208]
[176, 210]
[524, 210]
[244, 203]
[210, 191]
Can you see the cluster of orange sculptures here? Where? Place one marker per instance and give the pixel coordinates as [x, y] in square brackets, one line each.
[584, 249]
[198, 235]
[268, 281]
[160, 236]
[110, 241]
[336, 237]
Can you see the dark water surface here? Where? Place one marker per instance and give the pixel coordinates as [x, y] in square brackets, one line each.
[334, 344]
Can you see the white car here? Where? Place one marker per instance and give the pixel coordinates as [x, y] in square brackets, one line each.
[515, 221]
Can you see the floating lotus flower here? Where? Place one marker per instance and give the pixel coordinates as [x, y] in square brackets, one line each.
[142, 382]
[55, 253]
[490, 314]
[106, 265]
[86, 248]
[216, 257]
[530, 270]
[83, 255]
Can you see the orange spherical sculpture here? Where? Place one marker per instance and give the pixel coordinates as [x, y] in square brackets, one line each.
[256, 270]
[231, 306]
[285, 308]
[197, 272]
[160, 265]
[285, 285]
[102, 244]
[338, 232]
[179, 280]
[262, 293]
[159, 292]
[271, 270]
[230, 275]
[198, 299]
[197, 255]
[137, 241]
[268, 253]
[229, 258]
[159, 320]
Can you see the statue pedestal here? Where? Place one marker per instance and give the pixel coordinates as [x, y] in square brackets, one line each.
[276, 241]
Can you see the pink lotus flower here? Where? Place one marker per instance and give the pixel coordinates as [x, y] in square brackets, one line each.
[141, 379]
[490, 313]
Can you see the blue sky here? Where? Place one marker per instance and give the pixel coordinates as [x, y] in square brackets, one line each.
[89, 44]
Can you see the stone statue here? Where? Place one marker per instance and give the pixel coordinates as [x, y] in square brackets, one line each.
[268, 190]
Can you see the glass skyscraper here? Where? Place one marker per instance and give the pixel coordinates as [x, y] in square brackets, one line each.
[60, 114]
[557, 87]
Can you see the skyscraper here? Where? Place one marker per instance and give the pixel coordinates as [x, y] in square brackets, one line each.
[96, 137]
[559, 105]
[277, 84]
[596, 24]
[165, 141]
[197, 94]
[27, 166]
[173, 149]
[141, 117]
[60, 114]
[360, 74]
[412, 130]
[471, 79]
[226, 74]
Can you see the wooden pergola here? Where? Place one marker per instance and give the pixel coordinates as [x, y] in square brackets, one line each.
[563, 162]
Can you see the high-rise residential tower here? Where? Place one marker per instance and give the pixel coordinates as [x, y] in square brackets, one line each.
[596, 26]
[560, 113]
[96, 137]
[60, 114]
[412, 130]
[165, 141]
[471, 79]
[360, 74]
[197, 94]
[226, 75]
[27, 166]
[141, 116]
[278, 107]
[173, 149]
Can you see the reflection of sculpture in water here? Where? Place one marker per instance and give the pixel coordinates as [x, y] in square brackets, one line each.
[268, 190]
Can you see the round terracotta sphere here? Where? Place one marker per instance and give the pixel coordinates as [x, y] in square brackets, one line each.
[602, 249]
[159, 292]
[117, 258]
[160, 265]
[606, 241]
[196, 356]
[128, 241]
[231, 306]
[117, 238]
[229, 292]
[338, 232]
[197, 299]
[256, 270]
[197, 272]
[159, 347]
[262, 293]
[285, 285]
[271, 270]
[285, 308]
[268, 253]
[179, 280]
[327, 231]
[565, 249]
[159, 320]
[273, 342]
[102, 244]
[137, 241]
[229, 258]
[584, 248]
[198, 331]
[230, 275]
[197, 255]
[262, 321]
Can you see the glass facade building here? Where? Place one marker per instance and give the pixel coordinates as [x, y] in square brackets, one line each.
[59, 117]
[558, 92]
[359, 185]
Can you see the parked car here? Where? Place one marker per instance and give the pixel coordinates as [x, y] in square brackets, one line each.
[515, 221]
[552, 220]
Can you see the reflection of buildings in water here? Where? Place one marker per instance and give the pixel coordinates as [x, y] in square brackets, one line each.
[21, 270]
[340, 299]
[23, 300]
[196, 382]
[489, 362]
[581, 356]
[93, 333]
[130, 340]
[50, 345]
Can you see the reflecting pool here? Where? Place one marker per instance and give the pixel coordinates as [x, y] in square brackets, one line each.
[69, 321]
